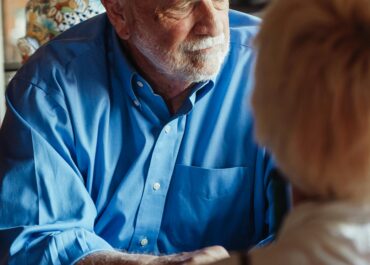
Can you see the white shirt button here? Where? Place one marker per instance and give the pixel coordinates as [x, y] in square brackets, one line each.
[156, 186]
[144, 242]
[167, 128]
[139, 84]
[136, 103]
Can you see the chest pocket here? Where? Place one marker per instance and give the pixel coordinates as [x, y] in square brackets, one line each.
[208, 183]
[204, 202]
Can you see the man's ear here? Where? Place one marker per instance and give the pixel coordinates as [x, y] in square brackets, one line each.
[117, 14]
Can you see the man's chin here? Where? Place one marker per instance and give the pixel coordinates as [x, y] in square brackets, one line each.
[200, 76]
[209, 70]
[209, 64]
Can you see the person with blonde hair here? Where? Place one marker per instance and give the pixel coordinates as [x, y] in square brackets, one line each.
[312, 111]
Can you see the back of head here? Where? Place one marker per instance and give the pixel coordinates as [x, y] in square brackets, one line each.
[312, 95]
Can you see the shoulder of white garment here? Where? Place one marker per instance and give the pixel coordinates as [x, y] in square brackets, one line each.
[320, 233]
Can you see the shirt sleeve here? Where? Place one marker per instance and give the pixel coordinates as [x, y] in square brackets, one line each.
[46, 213]
[278, 200]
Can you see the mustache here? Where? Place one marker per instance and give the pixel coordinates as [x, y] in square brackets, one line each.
[205, 43]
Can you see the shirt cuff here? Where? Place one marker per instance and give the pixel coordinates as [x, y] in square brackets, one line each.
[62, 248]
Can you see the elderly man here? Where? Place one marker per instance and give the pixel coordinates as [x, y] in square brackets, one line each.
[131, 133]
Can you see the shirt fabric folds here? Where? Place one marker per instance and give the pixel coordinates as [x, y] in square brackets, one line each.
[91, 159]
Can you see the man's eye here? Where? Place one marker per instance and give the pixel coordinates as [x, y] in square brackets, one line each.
[178, 10]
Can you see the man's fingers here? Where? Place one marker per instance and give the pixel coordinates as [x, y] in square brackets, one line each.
[216, 252]
[206, 255]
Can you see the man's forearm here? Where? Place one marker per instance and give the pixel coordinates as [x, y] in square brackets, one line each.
[116, 258]
[202, 256]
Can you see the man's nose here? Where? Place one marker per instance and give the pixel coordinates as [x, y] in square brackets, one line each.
[209, 21]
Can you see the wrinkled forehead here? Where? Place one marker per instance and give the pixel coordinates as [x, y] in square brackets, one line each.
[177, 6]
[171, 2]
[162, 3]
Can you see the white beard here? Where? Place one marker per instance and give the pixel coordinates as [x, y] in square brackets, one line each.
[190, 63]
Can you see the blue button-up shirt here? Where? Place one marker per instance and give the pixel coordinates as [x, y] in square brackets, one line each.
[91, 158]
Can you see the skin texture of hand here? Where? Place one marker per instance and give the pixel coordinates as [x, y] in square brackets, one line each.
[235, 258]
[199, 257]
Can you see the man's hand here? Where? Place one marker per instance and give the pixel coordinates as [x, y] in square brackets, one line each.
[199, 257]
[236, 258]
[203, 256]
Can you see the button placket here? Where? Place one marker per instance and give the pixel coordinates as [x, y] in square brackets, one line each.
[157, 183]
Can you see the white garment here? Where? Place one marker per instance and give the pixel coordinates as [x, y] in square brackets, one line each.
[320, 234]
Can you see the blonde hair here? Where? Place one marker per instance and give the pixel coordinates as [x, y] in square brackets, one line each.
[312, 95]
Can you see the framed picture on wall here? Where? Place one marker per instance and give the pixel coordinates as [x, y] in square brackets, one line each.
[14, 23]
[32, 23]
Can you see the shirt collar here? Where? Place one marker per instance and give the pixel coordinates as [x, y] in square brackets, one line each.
[129, 78]
[123, 70]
